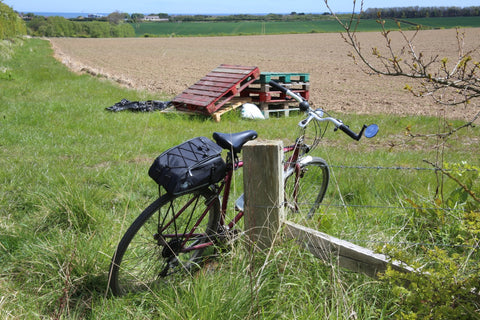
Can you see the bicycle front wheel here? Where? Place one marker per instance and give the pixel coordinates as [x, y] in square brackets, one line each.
[306, 186]
[170, 236]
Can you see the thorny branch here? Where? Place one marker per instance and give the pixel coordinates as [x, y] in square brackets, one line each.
[448, 133]
[449, 83]
[460, 183]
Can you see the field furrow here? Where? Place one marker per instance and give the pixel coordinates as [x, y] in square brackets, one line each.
[170, 65]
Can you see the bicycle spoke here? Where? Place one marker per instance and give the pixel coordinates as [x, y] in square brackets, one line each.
[306, 187]
[156, 247]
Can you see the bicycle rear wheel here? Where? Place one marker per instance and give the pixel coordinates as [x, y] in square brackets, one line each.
[305, 188]
[171, 235]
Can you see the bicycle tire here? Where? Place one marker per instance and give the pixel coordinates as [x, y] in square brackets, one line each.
[306, 188]
[145, 254]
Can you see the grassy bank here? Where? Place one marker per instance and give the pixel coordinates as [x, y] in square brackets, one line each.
[74, 176]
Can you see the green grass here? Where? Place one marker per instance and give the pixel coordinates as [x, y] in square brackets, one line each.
[74, 176]
[448, 22]
[233, 28]
[286, 27]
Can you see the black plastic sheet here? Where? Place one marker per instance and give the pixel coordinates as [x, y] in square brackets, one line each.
[139, 106]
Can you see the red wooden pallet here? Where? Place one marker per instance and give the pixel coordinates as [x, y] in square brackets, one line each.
[216, 88]
[273, 96]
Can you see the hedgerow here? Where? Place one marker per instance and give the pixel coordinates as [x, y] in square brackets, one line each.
[11, 25]
[61, 27]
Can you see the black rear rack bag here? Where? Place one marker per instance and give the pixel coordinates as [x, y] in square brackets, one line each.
[191, 165]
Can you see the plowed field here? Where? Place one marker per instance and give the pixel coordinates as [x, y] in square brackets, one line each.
[170, 65]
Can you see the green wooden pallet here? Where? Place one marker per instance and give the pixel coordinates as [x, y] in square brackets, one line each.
[265, 77]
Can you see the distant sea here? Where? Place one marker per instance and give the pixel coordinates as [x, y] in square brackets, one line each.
[67, 15]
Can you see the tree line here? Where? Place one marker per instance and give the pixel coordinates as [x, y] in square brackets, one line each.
[370, 13]
[140, 17]
[420, 12]
[293, 16]
[60, 27]
[11, 25]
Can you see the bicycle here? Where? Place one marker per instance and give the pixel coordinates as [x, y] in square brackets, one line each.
[180, 229]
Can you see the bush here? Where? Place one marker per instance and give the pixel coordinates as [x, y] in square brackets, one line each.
[61, 27]
[447, 283]
[11, 25]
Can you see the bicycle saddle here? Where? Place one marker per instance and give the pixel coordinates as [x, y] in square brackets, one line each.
[234, 141]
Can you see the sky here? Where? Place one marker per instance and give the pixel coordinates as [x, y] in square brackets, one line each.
[217, 6]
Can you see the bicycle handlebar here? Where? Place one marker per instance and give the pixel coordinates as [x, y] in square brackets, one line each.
[352, 134]
[278, 86]
[304, 106]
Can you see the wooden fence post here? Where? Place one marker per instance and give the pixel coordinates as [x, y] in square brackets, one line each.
[263, 191]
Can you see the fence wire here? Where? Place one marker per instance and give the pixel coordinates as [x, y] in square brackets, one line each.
[396, 168]
[400, 207]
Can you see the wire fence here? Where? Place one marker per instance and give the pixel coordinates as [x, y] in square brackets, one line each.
[401, 205]
[396, 213]
[395, 168]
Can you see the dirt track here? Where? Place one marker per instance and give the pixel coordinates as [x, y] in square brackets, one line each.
[171, 65]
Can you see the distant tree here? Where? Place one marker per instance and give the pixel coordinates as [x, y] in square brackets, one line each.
[137, 17]
[273, 16]
[60, 27]
[35, 23]
[117, 17]
[420, 12]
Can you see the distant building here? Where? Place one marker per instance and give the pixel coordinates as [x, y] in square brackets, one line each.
[95, 16]
[26, 17]
[154, 18]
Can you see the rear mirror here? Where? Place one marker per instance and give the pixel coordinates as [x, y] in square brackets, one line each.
[371, 131]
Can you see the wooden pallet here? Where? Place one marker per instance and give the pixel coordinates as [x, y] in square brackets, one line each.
[215, 89]
[273, 96]
[231, 105]
[273, 100]
[265, 77]
[260, 91]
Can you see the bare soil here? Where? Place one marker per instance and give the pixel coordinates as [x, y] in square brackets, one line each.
[170, 65]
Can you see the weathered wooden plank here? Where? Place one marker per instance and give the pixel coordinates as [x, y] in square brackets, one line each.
[193, 100]
[234, 104]
[348, 255]
[228, 78]
[229, 70]
[206, 93]
[221, 86]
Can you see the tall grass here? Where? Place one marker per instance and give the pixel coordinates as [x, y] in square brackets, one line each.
[74, 176]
